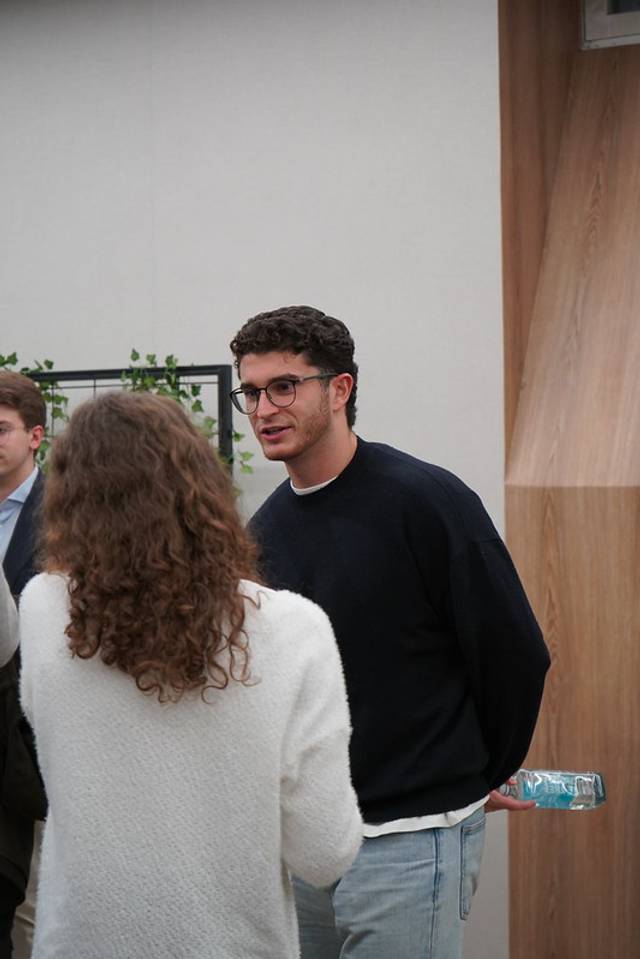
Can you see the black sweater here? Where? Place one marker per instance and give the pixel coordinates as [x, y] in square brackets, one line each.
[443, 658]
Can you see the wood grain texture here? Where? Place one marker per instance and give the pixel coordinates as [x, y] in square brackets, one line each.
[573, 525]
[575, 876]
[578, 402]
[537, 43]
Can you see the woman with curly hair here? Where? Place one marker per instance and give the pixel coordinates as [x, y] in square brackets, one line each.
[191, 725]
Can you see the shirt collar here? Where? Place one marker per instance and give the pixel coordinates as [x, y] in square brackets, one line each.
[20, 493]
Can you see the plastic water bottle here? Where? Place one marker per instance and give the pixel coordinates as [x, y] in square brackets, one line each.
[557, 788]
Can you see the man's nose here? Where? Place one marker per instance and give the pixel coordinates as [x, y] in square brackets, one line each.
[265, 407]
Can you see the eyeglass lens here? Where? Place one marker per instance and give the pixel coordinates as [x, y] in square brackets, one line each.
[281, 393]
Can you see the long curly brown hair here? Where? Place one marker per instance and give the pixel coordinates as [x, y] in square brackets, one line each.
[139, 514]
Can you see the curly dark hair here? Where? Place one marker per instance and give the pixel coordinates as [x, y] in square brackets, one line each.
[325, 341]
[140, 515]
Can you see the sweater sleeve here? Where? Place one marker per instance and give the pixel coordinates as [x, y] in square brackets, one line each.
[43, 616]
[504, 652]
[30, 628]
[8, 622]
[321, 823]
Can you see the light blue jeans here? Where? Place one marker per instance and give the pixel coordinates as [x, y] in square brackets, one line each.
[407, 896]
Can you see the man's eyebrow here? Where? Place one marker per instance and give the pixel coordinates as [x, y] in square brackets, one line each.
[274, 379]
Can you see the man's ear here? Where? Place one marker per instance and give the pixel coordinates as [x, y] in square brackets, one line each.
[342, 384]
[37, 436]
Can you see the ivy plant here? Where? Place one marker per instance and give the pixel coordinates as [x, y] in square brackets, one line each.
[164, 380]
[167, 382]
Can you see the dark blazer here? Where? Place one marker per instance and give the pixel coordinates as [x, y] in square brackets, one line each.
[20, 559]
[22, 797]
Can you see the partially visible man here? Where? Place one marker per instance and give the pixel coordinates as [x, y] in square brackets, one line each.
[22, 421]
[443, 658]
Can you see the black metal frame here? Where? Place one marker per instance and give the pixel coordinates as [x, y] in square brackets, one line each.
[222, 372]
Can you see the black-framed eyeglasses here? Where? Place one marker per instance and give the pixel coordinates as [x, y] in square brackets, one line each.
[280, 393]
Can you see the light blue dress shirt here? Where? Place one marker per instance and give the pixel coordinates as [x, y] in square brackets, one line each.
[10, 511]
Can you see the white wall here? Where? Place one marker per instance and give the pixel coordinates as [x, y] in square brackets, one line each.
[170, 167]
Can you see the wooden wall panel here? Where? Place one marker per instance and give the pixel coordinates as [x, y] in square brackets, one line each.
[537, 43]
[575, 876]
[573, 524]
[578, 401]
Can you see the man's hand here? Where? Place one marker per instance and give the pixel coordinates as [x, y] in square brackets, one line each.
[497, 801]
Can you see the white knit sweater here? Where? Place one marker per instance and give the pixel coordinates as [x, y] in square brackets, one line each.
[172, 828]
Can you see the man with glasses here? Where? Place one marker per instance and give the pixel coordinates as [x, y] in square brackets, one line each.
[443, 658]
[22, 420]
